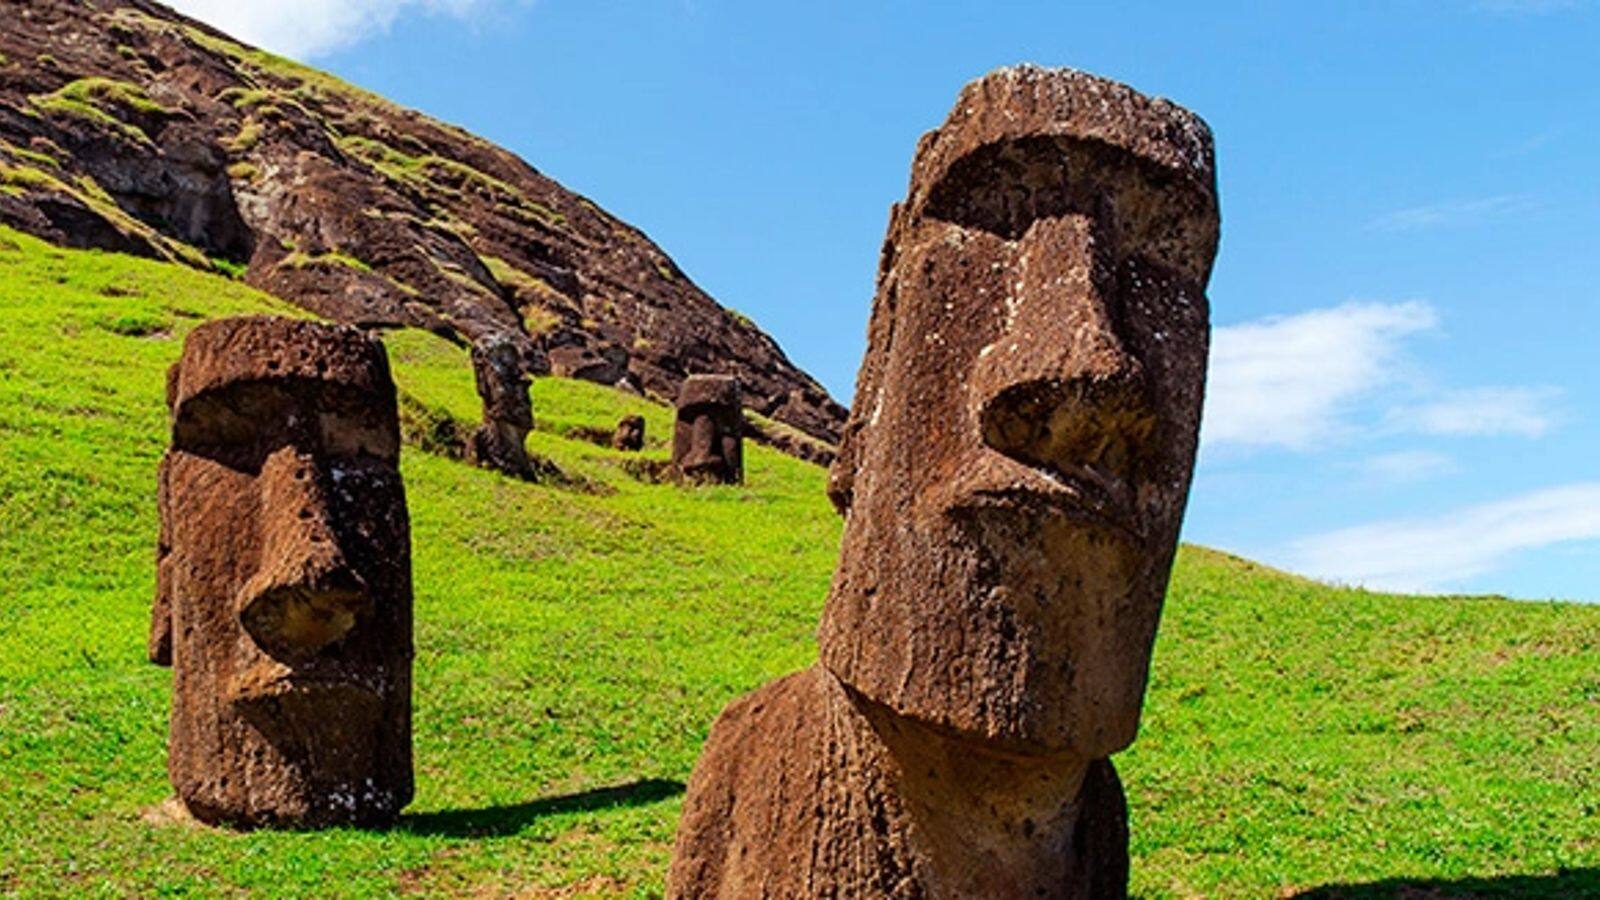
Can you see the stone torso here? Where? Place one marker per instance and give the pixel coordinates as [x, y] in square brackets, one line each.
[798, 795]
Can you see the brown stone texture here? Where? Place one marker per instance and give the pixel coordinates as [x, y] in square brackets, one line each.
[806, 790]
[708, 437]
[166, 139]
[283, 598]
[500, 441]
[629, 435]
[1013, 476]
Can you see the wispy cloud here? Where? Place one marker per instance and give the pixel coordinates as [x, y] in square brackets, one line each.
[1435, 554]
[1527, 7]
[1453, 213]
[1481, 412]
[1285, 381]
[309, 28]
[1299, 382]
[1535, 142]
[1406, 466]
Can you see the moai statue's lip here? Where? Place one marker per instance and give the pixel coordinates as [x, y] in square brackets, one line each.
[275, 682]
[1085, 497]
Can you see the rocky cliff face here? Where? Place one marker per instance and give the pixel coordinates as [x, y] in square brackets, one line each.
[126, 126]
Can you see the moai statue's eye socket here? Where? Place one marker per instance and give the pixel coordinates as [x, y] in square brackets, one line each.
[239, 424]
[1137, 206]
[236, 424]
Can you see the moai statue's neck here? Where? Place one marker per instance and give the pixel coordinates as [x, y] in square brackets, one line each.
[992, 823]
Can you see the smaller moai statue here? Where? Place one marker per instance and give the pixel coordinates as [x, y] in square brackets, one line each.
[507, 409]
[629, 435]
[707, 439]
[283, 585]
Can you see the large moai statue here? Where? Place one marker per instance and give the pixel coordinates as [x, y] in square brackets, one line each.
[707, 440]
[1013, 477]
[500, 442]
[283, 587]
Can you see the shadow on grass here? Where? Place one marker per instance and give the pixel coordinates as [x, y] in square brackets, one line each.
[1568, 884]
[501, 821]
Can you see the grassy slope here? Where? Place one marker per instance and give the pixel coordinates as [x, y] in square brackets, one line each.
[573, 648]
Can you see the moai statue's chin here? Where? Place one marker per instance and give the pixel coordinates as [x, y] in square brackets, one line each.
[629, 435]
[1013, 475]
[707, 440]
[500, 442]
[283, 588]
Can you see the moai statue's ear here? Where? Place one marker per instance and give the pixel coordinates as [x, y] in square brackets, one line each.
[160, 645]
[842, 474]
[880, 333]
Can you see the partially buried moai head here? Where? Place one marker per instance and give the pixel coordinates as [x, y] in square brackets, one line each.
[1019, 454]
[499, 443]
[284, 580]
[629, 434]
[502, 382]
[707, 439]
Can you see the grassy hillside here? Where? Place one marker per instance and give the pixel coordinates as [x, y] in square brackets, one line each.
[574, 646]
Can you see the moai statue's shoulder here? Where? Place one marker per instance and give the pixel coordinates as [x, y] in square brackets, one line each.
[789, 799]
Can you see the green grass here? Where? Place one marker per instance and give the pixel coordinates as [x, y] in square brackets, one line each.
[103, 102]
[450, 177]
[332, 259]
[104, 92]
[574, 647]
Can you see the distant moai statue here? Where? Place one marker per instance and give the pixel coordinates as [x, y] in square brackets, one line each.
[707, 441]
[283, 588]
[1013, 476]
[629, 435]
[500, 442]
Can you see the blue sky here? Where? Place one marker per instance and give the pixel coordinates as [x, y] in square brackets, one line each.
[1407, 301]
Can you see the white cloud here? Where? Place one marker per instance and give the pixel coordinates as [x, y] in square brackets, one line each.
[1407, 465]
[1433, 554]
[1522, 412]
[1461, 212]
[1287, 380]
[308, 28]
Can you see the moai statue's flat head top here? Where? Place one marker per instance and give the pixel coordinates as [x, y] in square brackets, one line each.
[284, 583]
[1018, 457]
[707, 439]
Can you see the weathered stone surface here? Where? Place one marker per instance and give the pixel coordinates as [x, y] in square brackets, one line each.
[806, 791]
[1013, 476]
[707, 440]
[346, 204]
[283, 597]
[500, 442]
[629, 435]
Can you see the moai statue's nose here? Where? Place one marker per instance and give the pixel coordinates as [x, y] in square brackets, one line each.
[1058, 387]
[304, 595]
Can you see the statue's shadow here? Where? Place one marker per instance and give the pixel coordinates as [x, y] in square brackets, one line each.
[502, 821]
[1568, 884]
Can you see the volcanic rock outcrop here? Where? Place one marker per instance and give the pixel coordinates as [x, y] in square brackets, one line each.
[283, 587]
[629, 435]
[126, 126]
[1013, 476]
[708, 436]
[500, 442]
